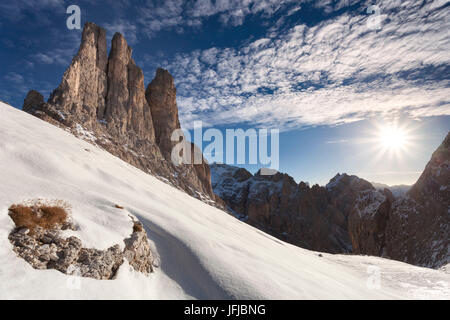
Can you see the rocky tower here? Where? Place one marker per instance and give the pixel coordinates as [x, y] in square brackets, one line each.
[103, 99]
[127, 109]
[161, 97]
[82, 91]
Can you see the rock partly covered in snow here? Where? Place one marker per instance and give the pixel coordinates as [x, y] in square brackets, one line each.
[367, 222]
[418, 231]
[397, 190]
[137, 250]
[49, 249]
[310, 217]
[413, 228]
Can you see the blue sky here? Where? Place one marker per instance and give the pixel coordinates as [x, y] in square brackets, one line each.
[326, 73]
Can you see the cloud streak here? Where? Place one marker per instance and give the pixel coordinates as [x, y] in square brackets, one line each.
[180, 15]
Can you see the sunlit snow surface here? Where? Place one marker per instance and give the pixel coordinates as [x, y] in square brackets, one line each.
[203, 252]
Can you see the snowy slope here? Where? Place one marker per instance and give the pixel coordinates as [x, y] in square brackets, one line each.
[203, 252]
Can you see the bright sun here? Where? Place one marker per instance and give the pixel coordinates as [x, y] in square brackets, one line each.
[391, 143]
[392, 138]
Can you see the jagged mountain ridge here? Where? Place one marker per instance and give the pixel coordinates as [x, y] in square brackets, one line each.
[311, 217]
[349, 214]
[102, 98]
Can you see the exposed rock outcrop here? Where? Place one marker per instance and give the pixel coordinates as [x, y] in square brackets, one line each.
[103, 100]
[137, 249]
[33, 99]
[46, 248]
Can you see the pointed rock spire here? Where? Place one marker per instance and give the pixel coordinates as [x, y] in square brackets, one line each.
[161, 97]
[83, 88]
[126, 106]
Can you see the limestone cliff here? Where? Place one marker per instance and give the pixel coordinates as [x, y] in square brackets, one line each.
[103, 99]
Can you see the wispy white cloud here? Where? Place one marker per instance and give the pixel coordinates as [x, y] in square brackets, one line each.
[126, 28]
[155, 16]
[14, 78]
[180, 15]
[59, 56]
[64, 46]
[338, 71]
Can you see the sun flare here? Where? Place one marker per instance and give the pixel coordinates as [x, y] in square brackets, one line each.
[393, 138]
[392, 141]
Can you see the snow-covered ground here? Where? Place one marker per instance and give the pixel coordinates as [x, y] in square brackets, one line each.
[203, 252]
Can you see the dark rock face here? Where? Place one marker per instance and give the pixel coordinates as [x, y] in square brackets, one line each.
[414, 228]
[349, 214]
[304, 216]
[33, 100]
[103, 100]
[367, 222]
[418, 231]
